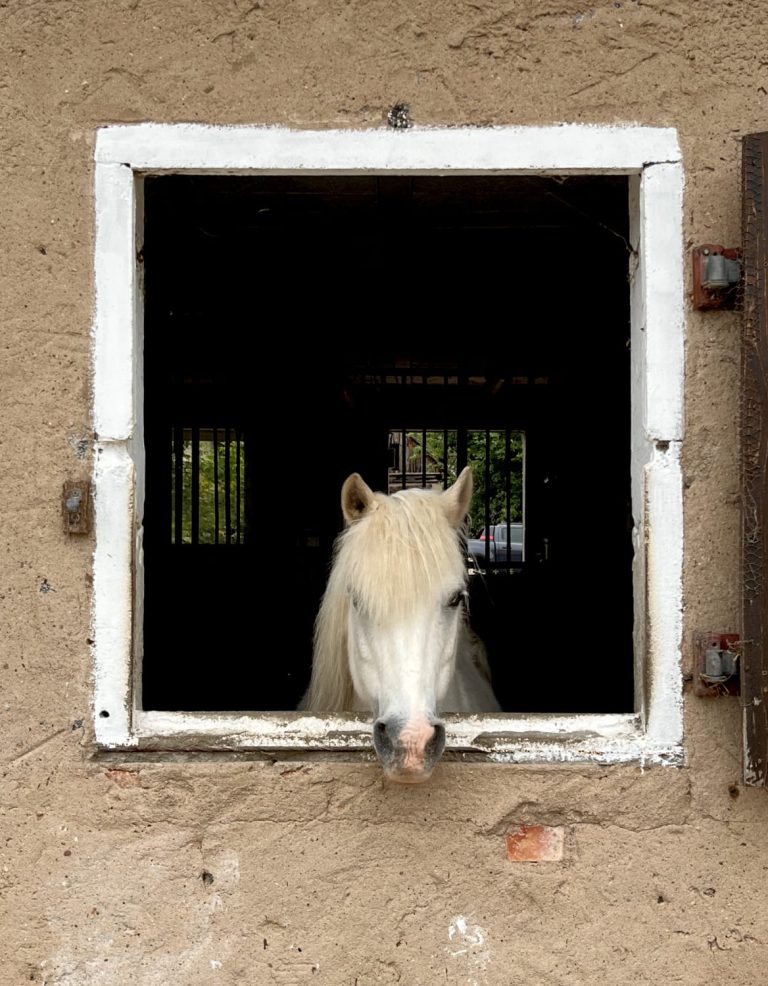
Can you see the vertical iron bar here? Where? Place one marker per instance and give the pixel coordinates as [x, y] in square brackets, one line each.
[523, 502]
[215, 486]
[445, 457]
[507, 490]
[244, 478]
[237, 482]
[227, 481]
[487, 503]
[405, 457]
[195, 484]
[404, 385]
[424, 384]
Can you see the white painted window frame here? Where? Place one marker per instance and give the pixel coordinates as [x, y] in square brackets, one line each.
[651, 157]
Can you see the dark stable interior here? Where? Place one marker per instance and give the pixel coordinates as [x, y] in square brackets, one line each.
[279, 306]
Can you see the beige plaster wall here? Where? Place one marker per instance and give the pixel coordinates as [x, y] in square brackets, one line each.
[317, 872]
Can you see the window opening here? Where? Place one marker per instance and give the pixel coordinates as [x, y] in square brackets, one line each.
[434, 352]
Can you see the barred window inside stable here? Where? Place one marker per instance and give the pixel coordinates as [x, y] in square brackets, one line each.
[207, 491]
[299, 328]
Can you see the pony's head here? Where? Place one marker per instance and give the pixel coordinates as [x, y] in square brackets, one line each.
[388, 629]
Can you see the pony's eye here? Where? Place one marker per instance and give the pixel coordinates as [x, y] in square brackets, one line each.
[355, 599]
[456, 598]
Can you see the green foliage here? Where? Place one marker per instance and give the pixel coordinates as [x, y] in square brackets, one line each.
[491, 471]
[212, 478]
[490, 464]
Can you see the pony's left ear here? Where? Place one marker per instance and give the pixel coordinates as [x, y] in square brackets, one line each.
[456, 500]
[357, 498]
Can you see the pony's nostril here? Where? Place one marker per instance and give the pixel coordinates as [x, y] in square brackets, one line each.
[381, 740]
[436, 743]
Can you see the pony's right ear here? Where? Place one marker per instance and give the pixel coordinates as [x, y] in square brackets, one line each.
[357, 498]
[456, 498]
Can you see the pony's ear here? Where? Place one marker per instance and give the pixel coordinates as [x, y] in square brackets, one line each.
[456, 499]
[357, 498]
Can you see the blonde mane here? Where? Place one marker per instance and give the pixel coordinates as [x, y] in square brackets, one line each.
[402, 552]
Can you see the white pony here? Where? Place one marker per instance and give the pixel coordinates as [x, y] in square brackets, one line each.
[392, 636]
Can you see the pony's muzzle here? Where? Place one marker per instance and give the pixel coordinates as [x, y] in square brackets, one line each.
[408, 751]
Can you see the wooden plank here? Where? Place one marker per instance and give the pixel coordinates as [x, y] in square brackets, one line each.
[754, 444]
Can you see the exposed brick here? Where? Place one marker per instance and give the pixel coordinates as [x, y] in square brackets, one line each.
[535, 844]
[124, 778]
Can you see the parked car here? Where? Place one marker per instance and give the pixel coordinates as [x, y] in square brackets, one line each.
[494, 542]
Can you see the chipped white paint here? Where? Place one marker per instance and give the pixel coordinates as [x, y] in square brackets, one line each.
[112, 600]
[563, 149]
[651, 156]
[661, 245]
[505, 738]
[657, 374]
[467, 943]
[664, 617]
[468, 936]
[115, 359]
[640, 447]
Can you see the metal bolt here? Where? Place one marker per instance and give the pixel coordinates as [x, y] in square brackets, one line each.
[74, 500]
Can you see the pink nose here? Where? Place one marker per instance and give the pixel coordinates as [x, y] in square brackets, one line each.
[414, 738]
[408, 750]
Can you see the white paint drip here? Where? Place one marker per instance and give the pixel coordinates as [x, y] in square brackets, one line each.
[467, 945]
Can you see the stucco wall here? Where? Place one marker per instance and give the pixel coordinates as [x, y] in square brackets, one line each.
[201, 870]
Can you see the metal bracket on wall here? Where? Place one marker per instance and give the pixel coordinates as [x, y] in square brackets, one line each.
[76, 506]
[716, 664]
[716, 276]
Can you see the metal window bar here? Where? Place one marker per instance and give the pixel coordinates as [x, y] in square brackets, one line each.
[215, 486]
[424, 379]
[445, 458]
[404, 456]
[508, 491]
[237, 485]
[195, 487]
[227, 488]
[487, 500]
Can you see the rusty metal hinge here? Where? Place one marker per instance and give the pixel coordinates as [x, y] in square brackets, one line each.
[76, 506]
[716, 664]
[716, 276]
